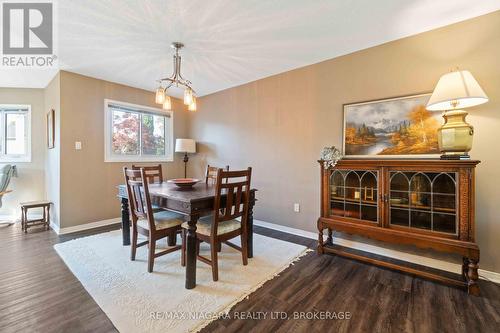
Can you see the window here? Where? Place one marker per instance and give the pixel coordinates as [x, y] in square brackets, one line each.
[136, 133]
[15, 133]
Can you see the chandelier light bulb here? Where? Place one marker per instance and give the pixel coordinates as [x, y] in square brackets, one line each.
[160, 95]
[167, 104]
[188, 96]
[192, 106]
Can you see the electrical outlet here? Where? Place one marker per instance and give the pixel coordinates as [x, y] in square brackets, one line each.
[296, 207]
[78, 145]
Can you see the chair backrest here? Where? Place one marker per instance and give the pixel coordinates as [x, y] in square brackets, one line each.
[6, 172]
[232, 196]
[154, 173]
[138, 196]
[211, 174]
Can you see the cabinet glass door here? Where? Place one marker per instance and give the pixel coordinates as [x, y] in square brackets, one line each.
[424, 200]
[354, 193]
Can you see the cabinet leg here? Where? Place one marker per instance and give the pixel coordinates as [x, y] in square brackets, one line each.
[465, 267]
[320, 241]
[472, 277]
[329, 239]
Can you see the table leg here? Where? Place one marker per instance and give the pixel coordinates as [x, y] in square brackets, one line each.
[125, 222]
[250, 228]
[191, 241]
[48, 217]
[22, 219]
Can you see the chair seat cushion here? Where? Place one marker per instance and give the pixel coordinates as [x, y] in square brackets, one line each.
[204, 225]
[163, 220]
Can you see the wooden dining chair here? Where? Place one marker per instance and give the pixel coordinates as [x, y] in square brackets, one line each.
[232, 195]
[155, 226]
[211, 174]
[154, 173]
[211, 177]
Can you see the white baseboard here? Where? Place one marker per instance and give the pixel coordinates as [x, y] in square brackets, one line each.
[55, 227]
[86, 226]
[416, 259]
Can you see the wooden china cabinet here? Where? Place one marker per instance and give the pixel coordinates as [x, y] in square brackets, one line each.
[426, 203]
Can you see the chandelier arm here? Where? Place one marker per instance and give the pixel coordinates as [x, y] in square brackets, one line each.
[177, 82]
[176, 77]
[174, 73]
[172, 81]
[179, 70]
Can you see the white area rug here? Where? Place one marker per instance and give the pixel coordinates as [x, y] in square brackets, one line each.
[138, 301]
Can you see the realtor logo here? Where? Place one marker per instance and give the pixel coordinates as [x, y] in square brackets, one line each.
[28, 35]
[27, 28]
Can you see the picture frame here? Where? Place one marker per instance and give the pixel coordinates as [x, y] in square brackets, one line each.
[51, 129]
[397, 127]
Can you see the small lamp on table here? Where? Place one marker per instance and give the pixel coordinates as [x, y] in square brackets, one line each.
[186, 146]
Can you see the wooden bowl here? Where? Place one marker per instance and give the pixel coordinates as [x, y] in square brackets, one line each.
[184, 182]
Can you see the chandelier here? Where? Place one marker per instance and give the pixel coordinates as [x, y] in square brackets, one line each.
[176, 80]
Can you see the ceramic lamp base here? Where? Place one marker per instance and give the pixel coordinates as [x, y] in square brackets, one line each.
[455, 136]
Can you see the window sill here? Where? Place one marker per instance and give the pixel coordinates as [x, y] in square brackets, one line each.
[138, 160]
[15, 160]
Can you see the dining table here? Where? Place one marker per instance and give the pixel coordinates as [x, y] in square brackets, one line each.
[193, 203]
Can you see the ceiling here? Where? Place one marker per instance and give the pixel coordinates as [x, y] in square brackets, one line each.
[228, 42]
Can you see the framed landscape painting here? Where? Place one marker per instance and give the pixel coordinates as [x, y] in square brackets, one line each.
[395, 127]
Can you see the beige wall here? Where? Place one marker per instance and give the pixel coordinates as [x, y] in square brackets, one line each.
[88, 184]
[30, 183]
[279, 124]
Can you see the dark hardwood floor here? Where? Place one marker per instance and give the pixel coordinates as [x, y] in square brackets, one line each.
[38, 293]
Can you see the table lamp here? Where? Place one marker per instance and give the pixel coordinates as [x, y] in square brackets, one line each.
[454, 91]
[186, 146]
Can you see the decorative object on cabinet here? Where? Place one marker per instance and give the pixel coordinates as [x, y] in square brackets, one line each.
[330, 156]
[186, 146]
[51, 116]
[395, 127]
[428, 203]
[369, 193]
[456, 90]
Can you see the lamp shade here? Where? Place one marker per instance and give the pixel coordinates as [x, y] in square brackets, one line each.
[167, 103]
[456, 90]
[185, 146]
[160, 95]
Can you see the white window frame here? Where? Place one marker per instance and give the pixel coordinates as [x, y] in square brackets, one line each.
[108, 133]
[14, 158]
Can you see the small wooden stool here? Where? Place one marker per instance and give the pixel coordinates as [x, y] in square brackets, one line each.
[45, 220]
